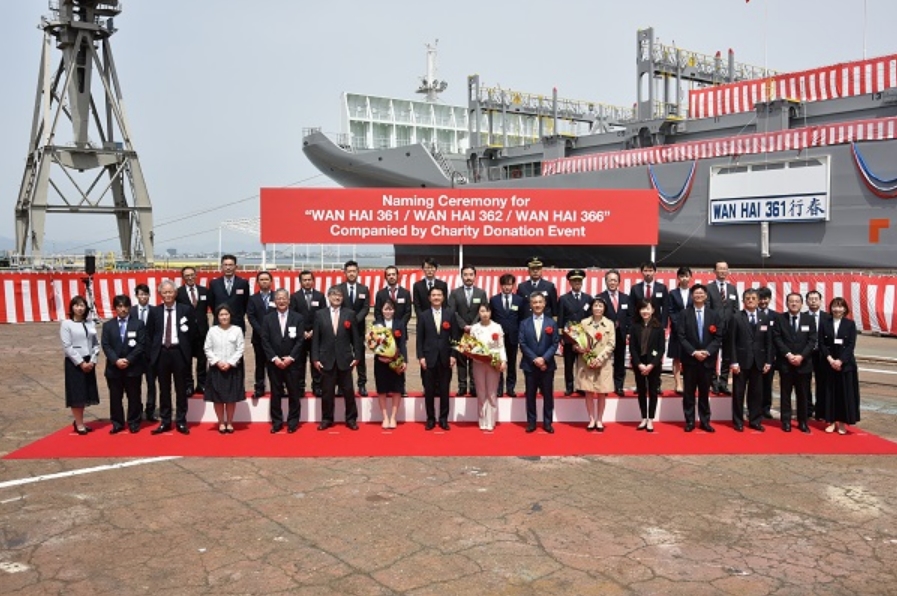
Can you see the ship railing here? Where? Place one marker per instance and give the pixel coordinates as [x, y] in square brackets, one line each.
[581, 109]
[447, 168]
[673, 58]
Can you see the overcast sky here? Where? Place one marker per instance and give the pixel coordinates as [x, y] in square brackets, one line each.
[217, 93]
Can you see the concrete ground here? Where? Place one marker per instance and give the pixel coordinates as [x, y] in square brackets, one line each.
[740, 525]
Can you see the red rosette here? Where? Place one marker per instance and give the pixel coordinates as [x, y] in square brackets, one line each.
[598, 335]
[549, 330]
[495, 337]
[347, 324]
[397, 333]
[712, 329]
[446, 325]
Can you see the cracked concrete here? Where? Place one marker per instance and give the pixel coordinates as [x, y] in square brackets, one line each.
[723, 525]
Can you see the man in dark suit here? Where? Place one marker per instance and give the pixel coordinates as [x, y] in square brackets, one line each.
[765, 296]
[539, 339]
[336, 348]
[617, 311]
[573, 307]
[465, 301]
[123, 342]
[535, 283]
[197, 298]
[436, 328]
[282, 339]
[421, 288]
[141, 311]
[401, 299]
[357, 298]
[722, 297]
[170, 331]
[750, 337]
[814, 309]
[230, 289]
[307, 301]
[678, 300]
[260, 304]
[794, 337]
[700, 336]
[507, 308]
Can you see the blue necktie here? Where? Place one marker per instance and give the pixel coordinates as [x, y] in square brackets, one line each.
[122, 327]
[700, 314]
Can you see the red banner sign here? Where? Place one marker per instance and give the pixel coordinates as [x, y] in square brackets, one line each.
[458, 216]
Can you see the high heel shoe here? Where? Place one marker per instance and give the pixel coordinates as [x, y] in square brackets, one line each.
[650, 427]
[830, 428]
[842, 429]
[230, 429]
[590, 427]
[599, 429]
[222, 429]
[643, 425]
[81, 431]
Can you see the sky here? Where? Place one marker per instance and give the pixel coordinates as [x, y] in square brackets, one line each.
[217, 93]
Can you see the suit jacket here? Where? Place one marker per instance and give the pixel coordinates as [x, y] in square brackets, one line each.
[132, 348]
[622, 318]
[185, 327]
[464, 314]
[546, 346]
[656, 341]
[435, 345]
[659, 298]
[727, 307]
[403, 304]
[839, 346]
[362, 304]
[571, 309]
[337, 350]
[750, 346]
[238, 299]
[548, 290]
[402, 339]
[308, 308]
[675, 306]
[690, 342]
[421, 295]
[510, 320]
[256, 313]
[801, 342]
[201, 310]
[286, 343]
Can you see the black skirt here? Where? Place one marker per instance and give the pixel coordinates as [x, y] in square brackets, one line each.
[80, 387]
[386, 379]
[225, 387]
[842, 396]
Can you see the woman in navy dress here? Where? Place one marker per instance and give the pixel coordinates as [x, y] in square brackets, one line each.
[82, 348]
[837, 340]
[388, 381]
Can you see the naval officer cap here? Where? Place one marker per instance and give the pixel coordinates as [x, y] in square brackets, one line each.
[534, 263]
[576, 274]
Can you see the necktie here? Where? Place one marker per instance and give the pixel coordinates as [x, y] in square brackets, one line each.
[265, 298]
[700, 315]
[192, 296]
[122, 327]
[437, 318]
[537, 323]
[613, 298]
[722, 291]
[283, 323]
[468, 291]
[576, 296]
[753, 320]
[648, 295]
[307, 298]
[507, 303]
[392, 293]
[352, 295]
[335, 316]
[794, 323]
[229, 283]
[167, 339]
[429, 286]
[143, 314]
[816, 322]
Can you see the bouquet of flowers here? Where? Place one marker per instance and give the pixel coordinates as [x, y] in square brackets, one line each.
[591, 357]
[575, 332]
[382, 342]
[477, 350]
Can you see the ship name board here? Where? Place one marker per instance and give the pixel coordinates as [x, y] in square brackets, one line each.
[788, 209]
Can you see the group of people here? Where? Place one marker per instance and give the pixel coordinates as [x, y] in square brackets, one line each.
[710, 338]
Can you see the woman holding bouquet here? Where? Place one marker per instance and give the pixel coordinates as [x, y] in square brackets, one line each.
[593, 374]
[389, 379]
[486, 374]
[646, 340]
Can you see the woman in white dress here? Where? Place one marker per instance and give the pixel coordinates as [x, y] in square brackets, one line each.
[224, 381]
[485, 376]
[596, 380]
[82, 348]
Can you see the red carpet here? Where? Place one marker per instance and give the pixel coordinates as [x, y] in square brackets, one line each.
[255, 440]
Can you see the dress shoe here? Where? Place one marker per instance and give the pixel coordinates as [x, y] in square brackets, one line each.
[116, 429]
[531, 428]
[337, 393]
[292, 428]
[739, 427]
[802, 427]
[162, 428]
[767, 414]
[689, 426]
[362, 391]
[757, 427]
[199, 390]
[650, 428]
[724, 390]
[444, 425]
[318, 393]
[222, 429]
[430, 425]
[705, 426]
[81, 431]
[182, 428]
[643, 425]
[352, 425]
[150, 417]
[133, 428]
[473, 393]
[259, 393]
[831, 428]
[499, 394]
[276, 429]
[619, 391]
[599, 428]
[461, 393]
[548, 428]
[404, 394]
[568, 393]
[325, 425]
[786, 426]
[580, 393]
[512, 394]
[229, 429]
[680, 392]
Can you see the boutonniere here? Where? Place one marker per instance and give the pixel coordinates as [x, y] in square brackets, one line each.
[446, 325]
[495, 337]
[712, 329]
[549, 330]
[397, 333]
[598, 335]
[347, 324]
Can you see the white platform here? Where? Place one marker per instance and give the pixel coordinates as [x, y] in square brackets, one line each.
[464, 409]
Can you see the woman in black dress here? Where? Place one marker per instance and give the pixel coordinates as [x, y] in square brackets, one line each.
[837, 340]
[390, 382]
[82, 348]
[646, 339]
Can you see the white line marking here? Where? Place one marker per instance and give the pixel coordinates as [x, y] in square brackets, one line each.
[878, 371]
[127, 464]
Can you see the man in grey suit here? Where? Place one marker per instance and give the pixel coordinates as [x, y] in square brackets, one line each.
[466, 302]
[336, 349]
[357, 298]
